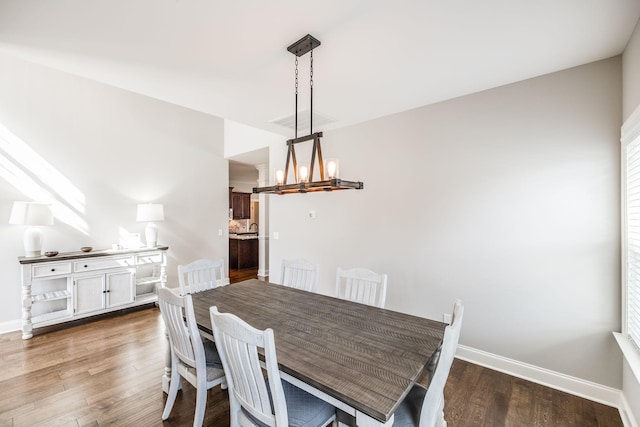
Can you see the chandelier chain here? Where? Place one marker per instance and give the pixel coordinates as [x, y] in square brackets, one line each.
[296, 75]
[311, 70]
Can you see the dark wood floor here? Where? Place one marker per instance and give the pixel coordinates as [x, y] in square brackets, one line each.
[108, 373]
[244, 274]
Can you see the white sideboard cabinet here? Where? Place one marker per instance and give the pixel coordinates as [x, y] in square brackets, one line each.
[74, 285]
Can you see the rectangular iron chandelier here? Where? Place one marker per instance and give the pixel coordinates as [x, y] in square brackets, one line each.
[303, 174]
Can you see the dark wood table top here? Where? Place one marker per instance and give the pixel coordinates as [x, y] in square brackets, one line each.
[364, 356]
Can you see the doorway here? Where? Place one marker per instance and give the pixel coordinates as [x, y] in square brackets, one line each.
[247, 220]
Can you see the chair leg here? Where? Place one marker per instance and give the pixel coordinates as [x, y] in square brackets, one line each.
[235, 414]
[176, 380]
[440, 421]
[201, 404]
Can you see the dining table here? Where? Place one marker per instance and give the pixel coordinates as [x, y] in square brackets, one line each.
[359, 358]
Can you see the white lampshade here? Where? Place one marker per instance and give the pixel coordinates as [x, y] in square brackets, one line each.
[150, 212]
[31, 214]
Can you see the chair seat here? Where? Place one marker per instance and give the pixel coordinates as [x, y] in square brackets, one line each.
[214, 375]
[303, 409]
[211, 355]
[408, 413]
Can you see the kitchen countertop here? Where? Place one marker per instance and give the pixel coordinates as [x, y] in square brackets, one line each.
[242, 236]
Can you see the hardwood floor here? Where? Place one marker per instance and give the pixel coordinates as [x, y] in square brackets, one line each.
[477, 396]
[108, 373]
[244, 274]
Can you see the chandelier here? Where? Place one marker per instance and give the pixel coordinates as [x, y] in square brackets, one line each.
[329, 179]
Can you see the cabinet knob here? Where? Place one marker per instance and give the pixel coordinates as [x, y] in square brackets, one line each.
[53, 269]
[86, 266]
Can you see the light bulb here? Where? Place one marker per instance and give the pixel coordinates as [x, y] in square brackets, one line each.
[303, 173]
[332, 168]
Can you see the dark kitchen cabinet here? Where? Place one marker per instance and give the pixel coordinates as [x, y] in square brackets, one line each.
[241, 205]
[243, 253]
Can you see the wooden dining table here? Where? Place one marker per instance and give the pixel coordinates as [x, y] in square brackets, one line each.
[361, 359]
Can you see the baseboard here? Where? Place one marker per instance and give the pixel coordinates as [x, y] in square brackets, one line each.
[556, 380]
[10, 326]
[625, 412]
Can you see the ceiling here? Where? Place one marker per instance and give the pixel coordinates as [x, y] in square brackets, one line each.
[229, 58]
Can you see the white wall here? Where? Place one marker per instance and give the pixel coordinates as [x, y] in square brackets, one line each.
[508, 199]
[631, 101]
[631, 74]
[117, 149]
[240, 139]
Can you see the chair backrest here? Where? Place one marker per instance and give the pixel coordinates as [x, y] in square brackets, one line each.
[362, 285]
[201, 275]
[434, 399]
[238, 344]
[300, 274]
[179, 318]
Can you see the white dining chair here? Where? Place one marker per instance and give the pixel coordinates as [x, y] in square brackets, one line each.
[424, 407]
[300, 274]
[190, 360]
[433, 361]
[254, 399]
[201, 275]
[361, 285]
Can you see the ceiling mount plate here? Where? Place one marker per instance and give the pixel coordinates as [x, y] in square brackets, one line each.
[304, 45]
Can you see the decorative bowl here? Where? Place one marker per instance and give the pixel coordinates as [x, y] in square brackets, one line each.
[51, 253]
[86, 249]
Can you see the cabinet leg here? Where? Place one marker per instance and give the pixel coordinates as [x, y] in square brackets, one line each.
[27, 324]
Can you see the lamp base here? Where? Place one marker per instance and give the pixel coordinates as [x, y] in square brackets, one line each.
[151, 235]
[32, 242]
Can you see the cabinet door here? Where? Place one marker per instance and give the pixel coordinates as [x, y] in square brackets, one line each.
[247, 253]
[89, 293]
[241, 205]
[236, 205]
[120, 288]
[233, 253]
[246, 206]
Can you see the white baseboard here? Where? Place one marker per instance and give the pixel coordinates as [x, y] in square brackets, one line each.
[10, 326]
[628, 420]
[556, 380]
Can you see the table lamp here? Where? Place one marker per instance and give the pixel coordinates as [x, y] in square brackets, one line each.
[32, 214]
[150, 212]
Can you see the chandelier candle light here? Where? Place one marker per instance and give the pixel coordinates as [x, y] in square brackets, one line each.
[150, 212]
[303, 173]
[32, 214]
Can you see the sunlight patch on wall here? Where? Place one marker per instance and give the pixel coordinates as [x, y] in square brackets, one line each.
[38, 180]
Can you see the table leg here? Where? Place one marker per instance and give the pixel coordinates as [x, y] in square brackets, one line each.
[363, 420]
[166, 378]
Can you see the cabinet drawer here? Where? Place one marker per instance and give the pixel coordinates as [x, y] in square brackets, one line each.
[102, 264]
[148, 259]
[51, 269]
